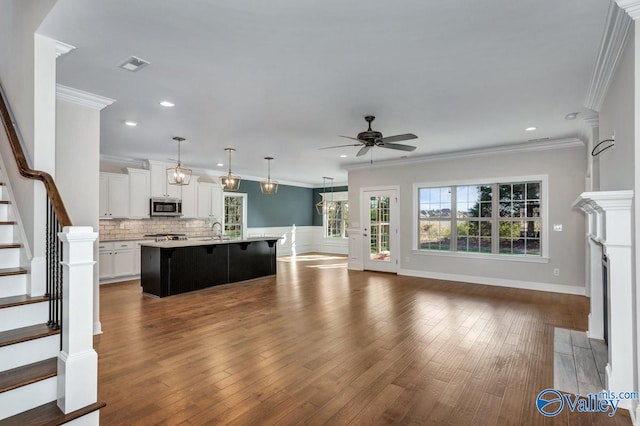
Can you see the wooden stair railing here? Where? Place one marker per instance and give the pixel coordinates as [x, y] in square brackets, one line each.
[56, 218]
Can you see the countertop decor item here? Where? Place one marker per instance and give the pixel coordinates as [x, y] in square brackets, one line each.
[269, 186]
[178, 175]
[229, 181]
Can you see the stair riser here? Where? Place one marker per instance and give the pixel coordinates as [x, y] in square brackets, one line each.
[9, 258]
[27, 397]
[23, 316]
[28, 352]
[7, 234]
[4, 213]
[13, 285]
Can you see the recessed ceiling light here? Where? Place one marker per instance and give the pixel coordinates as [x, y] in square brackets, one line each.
[571, 116]
[167, 104]
[220, 164]
[343, 156]
[131, 123]
[530, 129]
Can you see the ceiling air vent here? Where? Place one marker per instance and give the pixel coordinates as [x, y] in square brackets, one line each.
[134, 64]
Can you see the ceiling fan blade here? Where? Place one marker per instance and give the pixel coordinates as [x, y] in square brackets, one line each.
[363, 151]
[397, 146]
[349, 137]
[398, 138]
[340, 146]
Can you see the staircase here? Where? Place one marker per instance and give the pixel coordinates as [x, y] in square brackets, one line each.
[29, 347]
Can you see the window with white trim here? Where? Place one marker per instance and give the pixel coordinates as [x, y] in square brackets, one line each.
[497, 218]
[235, 215]
[335, 217]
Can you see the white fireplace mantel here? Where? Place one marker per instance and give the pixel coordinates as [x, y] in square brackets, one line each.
[609, 232]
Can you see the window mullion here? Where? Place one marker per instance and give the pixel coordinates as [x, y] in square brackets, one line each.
[453, 246]
[495, 213]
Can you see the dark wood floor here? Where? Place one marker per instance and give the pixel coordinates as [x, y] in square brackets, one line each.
[322, 345]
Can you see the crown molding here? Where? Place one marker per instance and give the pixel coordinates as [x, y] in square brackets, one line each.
[63, 48]
[632, 7]
[83, 98]
[143, 163]
[611, 47]
[479, 152]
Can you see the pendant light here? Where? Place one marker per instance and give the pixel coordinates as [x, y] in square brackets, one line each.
[269, 186]
[322, 205]
[178, 175]
[229, 181]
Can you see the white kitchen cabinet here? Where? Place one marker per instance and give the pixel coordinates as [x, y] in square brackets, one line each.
[139, 193]
[159, 185]
[190, 199]
[210, 201]
[114, 195]
[118, 259]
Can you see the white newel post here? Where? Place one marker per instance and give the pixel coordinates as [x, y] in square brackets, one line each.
[78, 361]
[610, 226]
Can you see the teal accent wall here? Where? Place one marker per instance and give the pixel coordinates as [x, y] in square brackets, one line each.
[317, 218]
[292, 205]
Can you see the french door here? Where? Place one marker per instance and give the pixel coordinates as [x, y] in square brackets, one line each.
[380, 229]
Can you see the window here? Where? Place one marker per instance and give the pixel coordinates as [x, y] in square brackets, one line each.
[336, 214]
[499, 218]
[235, 215]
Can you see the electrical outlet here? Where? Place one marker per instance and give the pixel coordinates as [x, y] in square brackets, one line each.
[557, 227]
[556, 272]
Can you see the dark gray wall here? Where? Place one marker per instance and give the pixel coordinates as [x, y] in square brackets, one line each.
[292, 205]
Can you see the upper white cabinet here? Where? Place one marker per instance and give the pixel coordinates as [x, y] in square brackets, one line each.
[139, 193]
[114, 195]
[190, 198]
[210, 200]
[159, 185]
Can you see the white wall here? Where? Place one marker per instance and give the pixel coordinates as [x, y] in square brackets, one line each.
[617, 115]
[566, 176]
[19, 20]
[301, 239]
[78, 138]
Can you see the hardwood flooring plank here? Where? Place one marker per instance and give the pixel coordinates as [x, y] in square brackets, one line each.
[318, 344]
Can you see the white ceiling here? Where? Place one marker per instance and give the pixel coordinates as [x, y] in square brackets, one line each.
[285, 77]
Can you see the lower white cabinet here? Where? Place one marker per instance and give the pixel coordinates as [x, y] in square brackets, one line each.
[118, 259]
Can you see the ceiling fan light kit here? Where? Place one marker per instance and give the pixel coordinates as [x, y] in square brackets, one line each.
[178, 175]
[230, 182]
[269, 186]
[371, 138]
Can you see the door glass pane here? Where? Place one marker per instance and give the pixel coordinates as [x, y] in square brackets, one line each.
[379, 229]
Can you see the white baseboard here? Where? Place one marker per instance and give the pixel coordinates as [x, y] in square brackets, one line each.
[499, 282]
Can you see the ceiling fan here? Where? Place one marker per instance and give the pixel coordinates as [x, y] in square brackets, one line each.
[370, 138]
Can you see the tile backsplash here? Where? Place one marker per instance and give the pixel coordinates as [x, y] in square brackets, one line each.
[120, 229]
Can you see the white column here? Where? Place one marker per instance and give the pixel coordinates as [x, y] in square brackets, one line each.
[613, 229]
[78, 361]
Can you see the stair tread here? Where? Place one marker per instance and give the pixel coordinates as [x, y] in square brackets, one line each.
[49, 415]
[5, 202]
[8, 222]
[12, 271]
[24, 334]
[27, 374]
[10, 246]
[23, 299]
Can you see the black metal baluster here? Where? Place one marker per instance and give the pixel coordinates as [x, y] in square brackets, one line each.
[49, 289]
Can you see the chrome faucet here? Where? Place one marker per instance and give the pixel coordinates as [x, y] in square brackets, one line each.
[216, 234]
